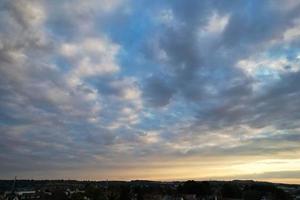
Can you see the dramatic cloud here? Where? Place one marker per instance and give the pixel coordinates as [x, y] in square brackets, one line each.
[114, 89]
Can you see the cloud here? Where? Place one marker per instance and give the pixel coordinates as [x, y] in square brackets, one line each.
[88, 85]
[92, 57]
[52, 113]
[205, 72]
[157, 91]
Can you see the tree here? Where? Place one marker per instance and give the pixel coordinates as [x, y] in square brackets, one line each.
[59, 195]
[251, 195]
[193, 187]
[231, 190]
[139, 193]
[125, 193]
[77, 196]
[94, 193]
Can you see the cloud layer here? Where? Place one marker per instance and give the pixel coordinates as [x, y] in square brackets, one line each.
[108, 87]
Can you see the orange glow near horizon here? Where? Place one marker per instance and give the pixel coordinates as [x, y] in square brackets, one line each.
[269, 170]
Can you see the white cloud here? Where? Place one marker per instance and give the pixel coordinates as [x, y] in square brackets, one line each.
[292, 33]
[257, 64]
[215, 24]
[91, 57]
[150, 137]
[88, 67]
[129, 97]
[69, 50]
[28, 13]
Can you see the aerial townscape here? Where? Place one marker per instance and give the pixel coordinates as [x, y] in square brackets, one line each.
[146, 190]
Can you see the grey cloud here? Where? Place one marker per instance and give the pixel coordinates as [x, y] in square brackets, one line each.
[46, 124]
[278, 106]
[157, 91]
[206, 74]
[192, 63]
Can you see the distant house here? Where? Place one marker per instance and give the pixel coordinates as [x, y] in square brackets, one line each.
[10, 196]
[21, 195]
[28, 195]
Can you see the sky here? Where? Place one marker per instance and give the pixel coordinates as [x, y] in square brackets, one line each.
[159, 90]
